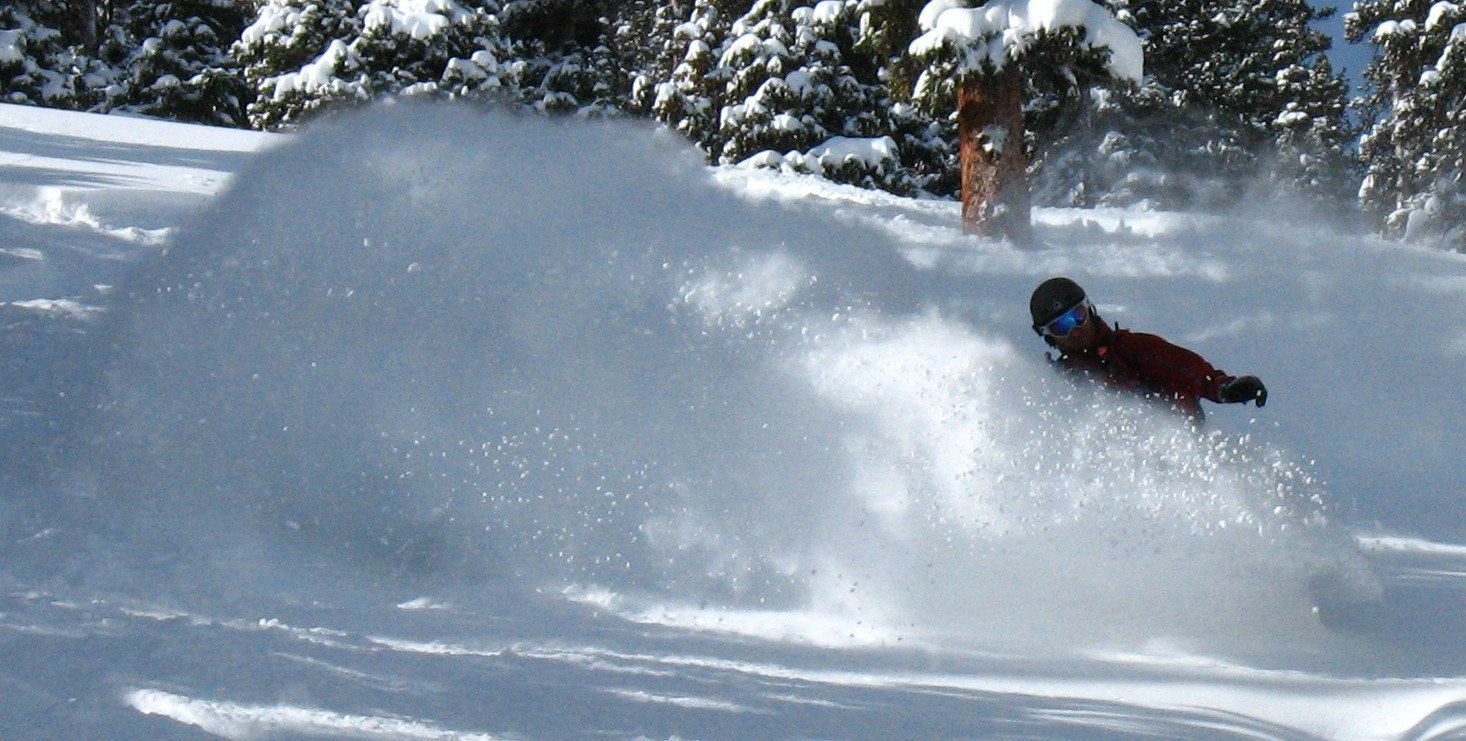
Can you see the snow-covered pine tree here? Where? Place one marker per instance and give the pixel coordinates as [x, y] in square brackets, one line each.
[1415, 148]
[1261, 64]
[770, 101]
[651, 49]
[1237, 92]
[926, 138]
[301, 56]
[877, 141]
[586, 82]
[407, 45]
[26, 44]
[1098, 152]
[48, 54]
[792, 85]
[174, 62]
[292, 56]
[1311, 133]
[565, 60]
[987, 63]
[689, 98]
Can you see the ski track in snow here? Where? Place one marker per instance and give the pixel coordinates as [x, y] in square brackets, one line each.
[946, 587]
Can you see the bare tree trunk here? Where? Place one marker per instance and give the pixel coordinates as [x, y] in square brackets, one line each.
[995, 200]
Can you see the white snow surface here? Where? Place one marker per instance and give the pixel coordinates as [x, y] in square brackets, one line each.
[438, 422]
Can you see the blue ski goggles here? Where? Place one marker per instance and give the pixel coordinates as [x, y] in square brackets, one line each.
[1069, 321]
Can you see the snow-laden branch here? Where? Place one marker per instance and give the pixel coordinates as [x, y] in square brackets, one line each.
[987, 38]
[417, 19]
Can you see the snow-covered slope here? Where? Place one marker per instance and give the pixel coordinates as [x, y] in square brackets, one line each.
[438, 423]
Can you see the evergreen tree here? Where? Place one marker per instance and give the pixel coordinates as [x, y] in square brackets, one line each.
[48, 54]
[587, 82]
[24, 42]
[293, 58]
[691, 96]
[988, 65]
[641, 38]
[1237, 88]
[566, 57]
[300, 57]
[770, 99]
[652, 47]
[926, 138]
[174, 61]
[798, 86]
[166, 59]
[557, 56]
[1415, 149]
[1237, 92]
[1311, 132]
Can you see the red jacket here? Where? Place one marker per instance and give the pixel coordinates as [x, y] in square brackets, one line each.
[1149, 365]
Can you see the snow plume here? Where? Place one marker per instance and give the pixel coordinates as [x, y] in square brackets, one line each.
[531, 357]
[979, 489]
[565, 357]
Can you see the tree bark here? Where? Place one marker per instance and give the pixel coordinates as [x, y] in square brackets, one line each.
[994, 161]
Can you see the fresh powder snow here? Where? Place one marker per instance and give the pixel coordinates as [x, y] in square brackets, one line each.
[438, 422]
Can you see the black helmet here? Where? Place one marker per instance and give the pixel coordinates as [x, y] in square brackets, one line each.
[1052, 298]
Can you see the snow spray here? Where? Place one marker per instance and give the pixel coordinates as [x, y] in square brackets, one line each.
[448, 343]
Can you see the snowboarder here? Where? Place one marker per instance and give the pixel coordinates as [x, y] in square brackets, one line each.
[1133, 361]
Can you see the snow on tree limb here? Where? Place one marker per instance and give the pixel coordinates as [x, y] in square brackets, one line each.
[988, 37]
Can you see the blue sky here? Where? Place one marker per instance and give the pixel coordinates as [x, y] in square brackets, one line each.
[1347, 58]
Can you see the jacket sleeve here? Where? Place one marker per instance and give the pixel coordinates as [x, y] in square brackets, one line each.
[1172, 370]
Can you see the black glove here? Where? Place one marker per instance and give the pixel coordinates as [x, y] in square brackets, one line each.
[1242, 390]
